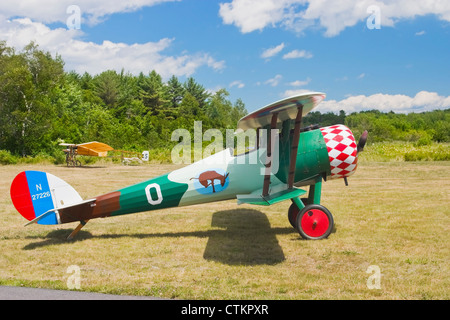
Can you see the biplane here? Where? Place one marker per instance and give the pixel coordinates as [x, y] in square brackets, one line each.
[306, 158]
[94, 149]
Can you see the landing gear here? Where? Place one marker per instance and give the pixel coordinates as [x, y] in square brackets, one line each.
[293, 212]
[71, 157]
[313, 222]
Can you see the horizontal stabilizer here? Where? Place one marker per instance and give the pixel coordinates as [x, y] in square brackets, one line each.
[56, 211]
[42, 216]
[257, 199]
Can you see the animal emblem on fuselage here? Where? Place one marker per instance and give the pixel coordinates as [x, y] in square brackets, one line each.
[207, 178]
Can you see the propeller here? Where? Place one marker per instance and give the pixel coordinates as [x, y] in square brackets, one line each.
[362, 142]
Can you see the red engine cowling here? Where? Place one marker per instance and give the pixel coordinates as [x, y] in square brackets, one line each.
[342, 150]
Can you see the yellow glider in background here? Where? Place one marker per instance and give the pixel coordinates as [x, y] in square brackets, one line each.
[93, 148]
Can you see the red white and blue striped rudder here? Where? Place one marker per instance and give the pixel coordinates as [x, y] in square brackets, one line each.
[35, 193]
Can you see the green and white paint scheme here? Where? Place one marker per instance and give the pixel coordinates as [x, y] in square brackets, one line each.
[272, 172]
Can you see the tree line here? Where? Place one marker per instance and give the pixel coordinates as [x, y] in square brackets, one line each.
[41, 105]
[420, 128]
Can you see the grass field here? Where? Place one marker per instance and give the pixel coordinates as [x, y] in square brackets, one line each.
[393, 215]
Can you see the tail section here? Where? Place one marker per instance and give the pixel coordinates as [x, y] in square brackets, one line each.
[38, 196]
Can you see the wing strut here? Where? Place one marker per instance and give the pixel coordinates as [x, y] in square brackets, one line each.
[273, 125]
[294, 147]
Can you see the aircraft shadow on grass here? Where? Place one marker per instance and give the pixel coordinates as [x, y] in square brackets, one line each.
[244, 237]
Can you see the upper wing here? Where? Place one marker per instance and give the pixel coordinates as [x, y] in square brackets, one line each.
[286, 109]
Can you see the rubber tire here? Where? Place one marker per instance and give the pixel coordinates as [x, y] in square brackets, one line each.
[292, 215]
[293, 212]
[311, 209]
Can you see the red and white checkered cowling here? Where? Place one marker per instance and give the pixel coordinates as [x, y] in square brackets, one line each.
[342, 150]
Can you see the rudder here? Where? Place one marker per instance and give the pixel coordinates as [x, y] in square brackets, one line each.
[34, 193]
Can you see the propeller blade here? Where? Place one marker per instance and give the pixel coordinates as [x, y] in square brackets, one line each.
[362, 142]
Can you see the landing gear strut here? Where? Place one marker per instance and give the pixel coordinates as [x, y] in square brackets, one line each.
[312, 220]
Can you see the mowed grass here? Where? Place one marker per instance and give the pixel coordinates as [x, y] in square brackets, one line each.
[393, 215]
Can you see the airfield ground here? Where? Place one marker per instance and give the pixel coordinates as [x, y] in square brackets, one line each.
[391, 241]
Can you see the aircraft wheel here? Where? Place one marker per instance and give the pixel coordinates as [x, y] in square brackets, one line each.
[292, 214]
[314, 222]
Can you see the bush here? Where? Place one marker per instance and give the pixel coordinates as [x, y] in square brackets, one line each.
[60, 158]
[7, 158]
[405, 151]
[423, 141]
[40, 158]
[441, 153]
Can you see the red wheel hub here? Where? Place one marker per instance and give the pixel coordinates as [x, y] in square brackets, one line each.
[315, 223]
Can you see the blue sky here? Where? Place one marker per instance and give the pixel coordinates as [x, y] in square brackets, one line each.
[259, 50]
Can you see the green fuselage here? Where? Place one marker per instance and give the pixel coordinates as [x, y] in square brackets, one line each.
[245, 175]
[221, 176]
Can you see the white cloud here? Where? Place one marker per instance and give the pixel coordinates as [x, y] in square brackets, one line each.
[250, 15]
[362, 75]
[300, 83]
[274, 81]
[298, 15]
[420, 33]
[297, 91]
[294, 92]
[214, 90]
[268, 53]
[93, 12]
[422, 101]
[295, 54]
[94, 58]
[237, 83]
